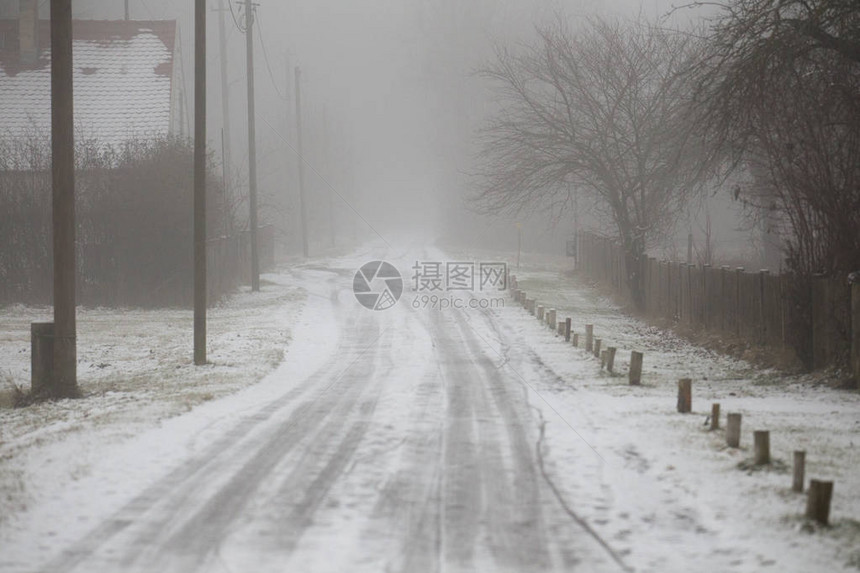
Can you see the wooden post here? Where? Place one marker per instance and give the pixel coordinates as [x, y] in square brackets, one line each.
[199, 226]
[567, 322]
[635, 375]
[761, 441]
[818, 501]
[589, 337]
[685, 395]
[715, 417]
[733, 430]
[689, 248]
[550, 319]
[610, 358]
[540, 312]
[762, 278]
[799, 470]
[602, 359]
[560, 328]
[64, 382]
[575, 339]
[738, 272]
[597, 343]
[41, 357]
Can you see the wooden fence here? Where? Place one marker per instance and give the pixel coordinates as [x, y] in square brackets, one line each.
[812, 319]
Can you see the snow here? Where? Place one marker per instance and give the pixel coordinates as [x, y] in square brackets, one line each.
[673, 494]
[359, 405]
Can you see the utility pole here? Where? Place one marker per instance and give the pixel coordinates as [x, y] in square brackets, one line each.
[65, 379]
[226, 159]
[252, 146]
[302, 207]
[200, 182]
[225, 198]
[326, 163]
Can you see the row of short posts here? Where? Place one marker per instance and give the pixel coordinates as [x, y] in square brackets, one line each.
[820, 492]
[549, 316]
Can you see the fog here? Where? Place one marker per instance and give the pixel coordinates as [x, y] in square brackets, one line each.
[391, 106]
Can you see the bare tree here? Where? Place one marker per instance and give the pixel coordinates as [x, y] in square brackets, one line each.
[602, 110]
[779, 90]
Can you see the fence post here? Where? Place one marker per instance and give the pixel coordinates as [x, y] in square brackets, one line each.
[567, 322]
[610, 358]
[715, 416]
[635, 376]
[761, 445]
[762, 277]
[589, 337]
[733, 430]
[723, 306]
[685, 395]
[818, 502]
[597, 343]
[799, 470]
[706, 300]
[738, 272]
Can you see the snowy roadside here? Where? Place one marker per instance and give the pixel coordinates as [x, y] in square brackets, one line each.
[708, 512]
[135, 370]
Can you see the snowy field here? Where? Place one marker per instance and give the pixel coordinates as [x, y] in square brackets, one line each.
[711, 510]
[135, 369]
[364, 428]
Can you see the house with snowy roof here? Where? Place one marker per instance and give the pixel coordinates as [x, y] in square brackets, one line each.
[128, 79]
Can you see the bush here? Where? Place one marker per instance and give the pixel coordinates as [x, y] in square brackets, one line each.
[134, 222]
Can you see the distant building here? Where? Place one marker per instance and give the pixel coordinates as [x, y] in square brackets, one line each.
[128, 79]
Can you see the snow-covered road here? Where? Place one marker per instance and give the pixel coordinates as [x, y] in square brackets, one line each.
[411, 448]
[409, 439]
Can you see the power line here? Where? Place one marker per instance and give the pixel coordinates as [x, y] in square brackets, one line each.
[235, 19]
[266, 60]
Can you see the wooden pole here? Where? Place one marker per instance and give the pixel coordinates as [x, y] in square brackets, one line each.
[575, 339]
[685, 395]
[799, 471]
[715, 417]
[610, 358]
[200, 182]
[589, 337]
[733, 430]
[540, 312]
[597, 343]
[252, 145]
[299, 137]
[602, 359]
[567, 323]
[635, 375]
[65, 380]
[226, 140]
[818, 501]
[761, 441]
